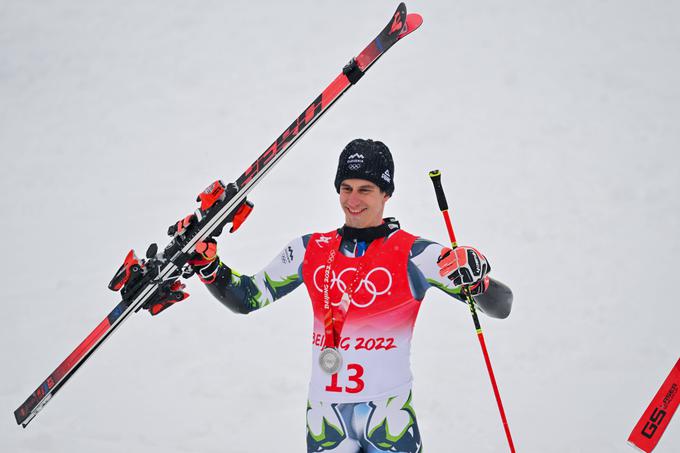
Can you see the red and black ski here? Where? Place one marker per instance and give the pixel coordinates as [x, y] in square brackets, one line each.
[140, 280]
[657, 416]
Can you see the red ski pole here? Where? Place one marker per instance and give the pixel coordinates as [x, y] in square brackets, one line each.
[436, 177]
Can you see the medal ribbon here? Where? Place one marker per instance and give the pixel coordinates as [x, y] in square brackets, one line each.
[333, 327]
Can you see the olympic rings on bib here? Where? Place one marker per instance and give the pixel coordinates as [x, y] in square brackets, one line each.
[338, 280]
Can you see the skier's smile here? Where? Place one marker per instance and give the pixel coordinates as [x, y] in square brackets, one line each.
[362, 202]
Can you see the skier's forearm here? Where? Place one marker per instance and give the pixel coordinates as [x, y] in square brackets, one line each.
[245, 293]
[238, 298]
[496, 301]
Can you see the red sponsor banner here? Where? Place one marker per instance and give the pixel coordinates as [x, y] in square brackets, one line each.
[654, 421]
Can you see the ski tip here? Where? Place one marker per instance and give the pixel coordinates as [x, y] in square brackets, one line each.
[24, 420]
[413, 21]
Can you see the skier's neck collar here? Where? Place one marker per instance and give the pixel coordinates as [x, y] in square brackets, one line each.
[389, 225]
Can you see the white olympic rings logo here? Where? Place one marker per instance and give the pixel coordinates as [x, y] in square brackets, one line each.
[336, 280]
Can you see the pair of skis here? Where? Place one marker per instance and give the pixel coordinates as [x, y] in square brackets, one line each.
[140, 281]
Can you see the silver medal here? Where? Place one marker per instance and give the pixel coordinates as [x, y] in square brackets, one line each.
[330, 360]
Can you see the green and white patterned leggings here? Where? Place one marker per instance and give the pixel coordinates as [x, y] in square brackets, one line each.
[387, 425]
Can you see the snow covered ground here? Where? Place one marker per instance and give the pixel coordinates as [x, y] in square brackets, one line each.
[556, 127]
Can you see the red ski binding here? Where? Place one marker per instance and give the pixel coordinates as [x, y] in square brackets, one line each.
[241, 215]
[130, 267]
[211, 194]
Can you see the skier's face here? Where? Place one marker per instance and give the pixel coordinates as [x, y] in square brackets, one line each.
[362, 202]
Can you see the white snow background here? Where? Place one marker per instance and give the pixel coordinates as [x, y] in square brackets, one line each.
[556, 126]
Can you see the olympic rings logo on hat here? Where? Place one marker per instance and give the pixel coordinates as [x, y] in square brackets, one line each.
[355, 161]
[366, 282]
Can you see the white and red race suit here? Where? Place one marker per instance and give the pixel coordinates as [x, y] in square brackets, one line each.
[376, 322]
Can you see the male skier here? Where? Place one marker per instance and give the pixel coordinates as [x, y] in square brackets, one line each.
[366, 281]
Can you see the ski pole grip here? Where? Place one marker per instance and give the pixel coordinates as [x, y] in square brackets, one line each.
[436, 177]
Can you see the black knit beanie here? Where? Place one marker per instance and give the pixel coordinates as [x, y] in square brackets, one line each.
[369, 160]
